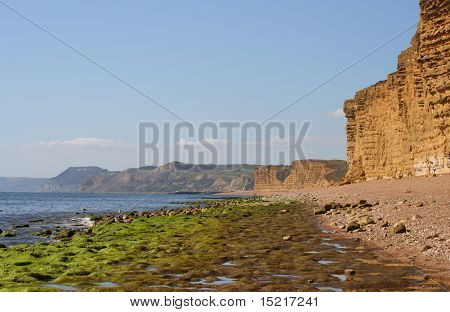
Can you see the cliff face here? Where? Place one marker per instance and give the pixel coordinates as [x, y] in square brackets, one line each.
[174, 177]
[71, 179]
[401, 126]
[300, 175]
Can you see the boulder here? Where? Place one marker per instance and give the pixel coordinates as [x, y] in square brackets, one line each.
[320, 210]
[365, 221]
[398, 228]
[45, 233]
[9, 234]
[66, 234]
[352, 226]
[349, 272]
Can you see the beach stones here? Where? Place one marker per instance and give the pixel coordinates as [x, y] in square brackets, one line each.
[365, 221]
[352, 226]
[142, 214]
[66, 234]
[349, 272]
[9, 234]
[45, 233]
[320, 210]
[398, 228]
[19, 226]
[329, 206]
[416, 217]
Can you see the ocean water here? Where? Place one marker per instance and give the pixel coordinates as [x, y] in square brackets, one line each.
[41, 211]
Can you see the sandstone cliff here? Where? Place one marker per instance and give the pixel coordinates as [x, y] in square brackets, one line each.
[401, 126]
[300, 175]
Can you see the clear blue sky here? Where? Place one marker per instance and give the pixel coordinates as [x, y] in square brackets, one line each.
[205, 60]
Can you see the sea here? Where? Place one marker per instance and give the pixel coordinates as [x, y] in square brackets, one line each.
[26, 214]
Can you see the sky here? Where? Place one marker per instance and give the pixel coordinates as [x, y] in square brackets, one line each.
[203, 60]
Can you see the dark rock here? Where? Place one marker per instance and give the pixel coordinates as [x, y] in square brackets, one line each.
[352, 226]
[2, 246]
[363, 202]
[66, 234]
[9, 234]
[319, 210]
[426, 247]
[18, 226]
[349, 272]
[45, 233]
[37, 221]
[385, 224]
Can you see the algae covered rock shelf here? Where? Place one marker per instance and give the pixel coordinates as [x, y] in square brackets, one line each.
[211, 246]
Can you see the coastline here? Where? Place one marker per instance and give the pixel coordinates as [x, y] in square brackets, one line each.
[422, 204]
[208, 246]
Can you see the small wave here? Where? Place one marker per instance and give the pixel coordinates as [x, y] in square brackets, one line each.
[87, 222]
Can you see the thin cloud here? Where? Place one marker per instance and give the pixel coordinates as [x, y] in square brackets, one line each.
[49, 158]
[79, 143]
[337, 114]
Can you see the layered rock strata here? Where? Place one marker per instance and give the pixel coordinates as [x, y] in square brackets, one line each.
[300, 175]
[401, 126]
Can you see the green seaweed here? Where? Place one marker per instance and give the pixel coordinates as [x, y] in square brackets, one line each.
[187, 252]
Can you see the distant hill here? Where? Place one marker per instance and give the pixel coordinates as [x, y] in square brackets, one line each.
[174, 177]
[72, 179]
[21, 184]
